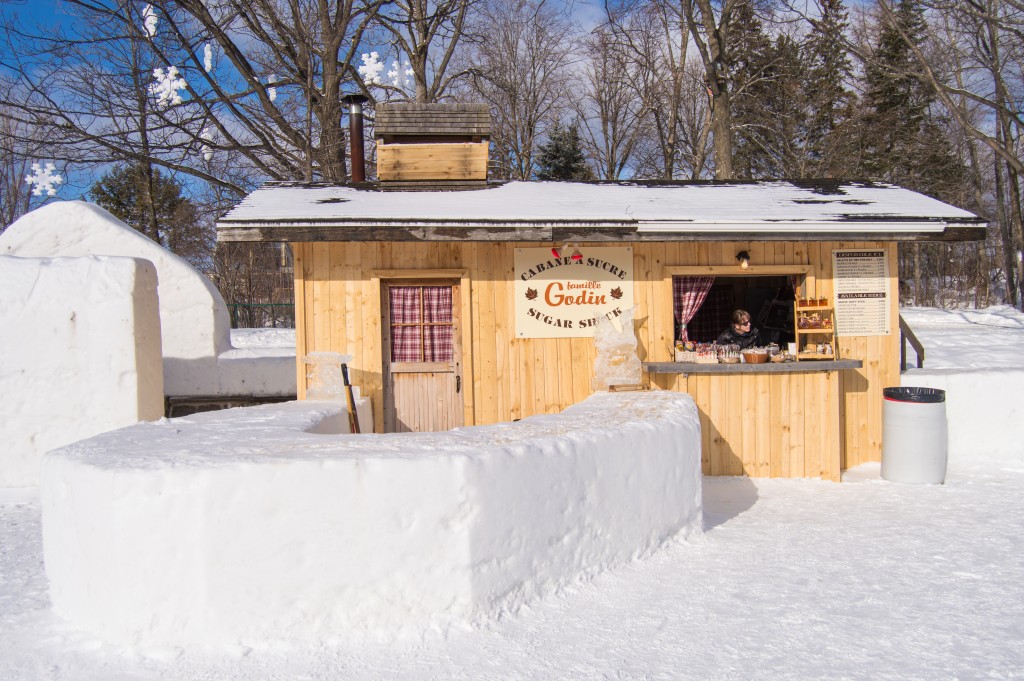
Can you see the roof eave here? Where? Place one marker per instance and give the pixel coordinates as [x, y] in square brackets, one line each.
[593, 230]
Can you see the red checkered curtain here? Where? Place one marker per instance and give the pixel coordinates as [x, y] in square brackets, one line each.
[406, 322]
[437, 329]
[688, 294]
[421, 323]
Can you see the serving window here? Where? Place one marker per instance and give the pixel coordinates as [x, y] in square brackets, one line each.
[704, 298]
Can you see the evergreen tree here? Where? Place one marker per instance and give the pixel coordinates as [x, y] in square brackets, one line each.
[905, 142]
[897, 102]
[749, 73]
[830, 105]
[561, 157]
[151, 203]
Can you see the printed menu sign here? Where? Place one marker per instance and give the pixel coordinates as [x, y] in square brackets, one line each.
[561, 296]
[862, 292]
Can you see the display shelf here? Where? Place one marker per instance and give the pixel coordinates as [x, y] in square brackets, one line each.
[825, 333]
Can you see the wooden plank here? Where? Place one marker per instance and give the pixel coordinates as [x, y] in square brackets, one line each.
[503, 268]
[354, 327]
[718, 395]
[764, 426]
[300, 262]
[321, 297]
[405, 162]
[732, 270]
[660, 316]
[783, 417]
[834, 440]
[748, 410]
[421, 273]
[642, 290]
[486, 351]
[549, 368]
[813, 410]
[700, 388]
[730, 426]
[337, 338]
[798, 416]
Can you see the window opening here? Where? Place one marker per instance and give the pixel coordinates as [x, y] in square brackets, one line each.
[768, 299]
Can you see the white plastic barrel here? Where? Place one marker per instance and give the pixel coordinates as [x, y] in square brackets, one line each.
[914, 435]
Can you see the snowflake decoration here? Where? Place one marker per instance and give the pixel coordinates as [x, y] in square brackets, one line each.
[272, 91]
[207, 57]
[44, 180]
[149, 20]
[208, 137]
[166, 86]
[399, 77]
[371, 68]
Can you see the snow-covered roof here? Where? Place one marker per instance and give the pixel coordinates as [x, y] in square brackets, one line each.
[529, 211]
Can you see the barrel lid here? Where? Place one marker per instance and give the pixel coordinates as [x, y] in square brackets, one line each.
[914, 394]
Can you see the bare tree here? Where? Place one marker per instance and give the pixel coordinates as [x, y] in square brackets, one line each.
[15, 163]
[611, 117]
[521, 52]
[267, 106]
[653, 38]
[428, 32]
[709, 28]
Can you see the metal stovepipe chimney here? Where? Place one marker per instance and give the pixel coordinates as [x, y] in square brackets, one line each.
[355, 135]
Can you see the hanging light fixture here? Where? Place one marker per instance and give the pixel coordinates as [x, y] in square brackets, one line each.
[744, 259]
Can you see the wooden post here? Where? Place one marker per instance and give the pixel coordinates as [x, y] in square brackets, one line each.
[353, 417]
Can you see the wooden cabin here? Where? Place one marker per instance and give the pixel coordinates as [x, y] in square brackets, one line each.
[465, 302]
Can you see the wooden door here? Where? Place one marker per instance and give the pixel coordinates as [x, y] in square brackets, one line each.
[422, 352]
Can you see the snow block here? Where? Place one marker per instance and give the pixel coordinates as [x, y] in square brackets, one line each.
[81, 349]
[258, 524]
[194, 319]
[980, 403]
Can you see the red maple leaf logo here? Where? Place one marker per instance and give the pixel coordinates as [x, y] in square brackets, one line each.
[531, 294]
[616, 293]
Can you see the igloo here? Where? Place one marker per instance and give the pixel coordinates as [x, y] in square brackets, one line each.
[197, 354]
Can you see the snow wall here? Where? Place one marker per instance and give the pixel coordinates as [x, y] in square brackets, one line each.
[982, 405]
[198, 358]
[81, 354]
[258, 524]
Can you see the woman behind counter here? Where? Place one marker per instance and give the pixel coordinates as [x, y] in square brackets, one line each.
[740, 332]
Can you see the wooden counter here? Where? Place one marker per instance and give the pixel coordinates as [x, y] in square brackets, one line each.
[766, 368]
[765, 420]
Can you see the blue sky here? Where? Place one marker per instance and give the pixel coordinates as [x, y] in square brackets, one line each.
[38, 11]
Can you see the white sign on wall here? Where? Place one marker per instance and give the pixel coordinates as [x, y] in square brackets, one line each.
[861, 279]
[559, 297]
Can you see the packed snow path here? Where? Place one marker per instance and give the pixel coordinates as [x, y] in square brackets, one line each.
[796, 579]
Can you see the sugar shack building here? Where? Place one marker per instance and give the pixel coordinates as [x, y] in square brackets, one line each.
[466, 302]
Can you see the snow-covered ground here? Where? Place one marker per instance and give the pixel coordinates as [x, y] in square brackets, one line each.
[266, 339]
[967, 339]
[793, 579]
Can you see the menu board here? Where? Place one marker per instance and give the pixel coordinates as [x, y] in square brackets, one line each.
[862, 292]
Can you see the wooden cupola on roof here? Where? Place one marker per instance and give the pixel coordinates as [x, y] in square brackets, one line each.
[432, 145]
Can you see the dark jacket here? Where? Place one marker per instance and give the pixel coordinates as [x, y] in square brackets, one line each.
[744, 340]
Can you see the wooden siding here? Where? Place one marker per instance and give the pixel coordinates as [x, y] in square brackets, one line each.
[788, 425]
[422, 162]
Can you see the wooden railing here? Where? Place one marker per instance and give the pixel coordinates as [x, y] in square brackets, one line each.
[906, 333]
